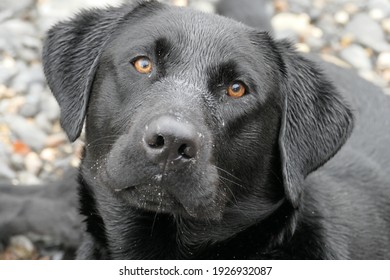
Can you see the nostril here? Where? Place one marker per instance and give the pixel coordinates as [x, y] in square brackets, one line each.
[156, 142]
[187, 151]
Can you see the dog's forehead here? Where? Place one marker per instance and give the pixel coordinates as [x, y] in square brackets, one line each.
[193, 34]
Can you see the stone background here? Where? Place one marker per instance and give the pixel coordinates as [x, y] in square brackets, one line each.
[33, 147]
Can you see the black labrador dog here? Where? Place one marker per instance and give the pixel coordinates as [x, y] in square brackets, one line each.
[208, 139]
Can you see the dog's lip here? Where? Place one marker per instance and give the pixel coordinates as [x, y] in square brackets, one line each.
[153, 197]
[149, 196]
[124, 189]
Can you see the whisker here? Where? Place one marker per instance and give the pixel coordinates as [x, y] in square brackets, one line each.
[223, 170]
[103, 138]
[231, 192]
[155, 218]
[230, 181]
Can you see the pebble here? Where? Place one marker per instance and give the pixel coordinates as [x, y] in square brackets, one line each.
[42, 121]
[50, 108]
[27, 132]
[48, 154]
[17, 162]
[180, 3]
[25, 177]
[5, 171]
[367, 32]
[56, 140]
[341, 17]
[20, 248]
[203, 6]
[386, 25]
[379, 9]
[383, 61]
[33, 163]
[351, 8]
[287, 21]
[28, 76]
[15, 7]
[14, 29]
[8, 70]
[29, 109]
[356, 56]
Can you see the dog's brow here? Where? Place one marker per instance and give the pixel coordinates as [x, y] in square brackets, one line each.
[223, 73]
[162, 46]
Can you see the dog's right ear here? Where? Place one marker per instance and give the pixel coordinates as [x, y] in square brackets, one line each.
[71, 56]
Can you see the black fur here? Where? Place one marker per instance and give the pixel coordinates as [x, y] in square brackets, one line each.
[268, 181]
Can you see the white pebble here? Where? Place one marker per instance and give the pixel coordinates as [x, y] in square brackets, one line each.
[341, 17]
[383, 61]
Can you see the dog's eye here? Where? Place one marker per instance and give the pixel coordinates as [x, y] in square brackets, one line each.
[236, 90]
[143, 65]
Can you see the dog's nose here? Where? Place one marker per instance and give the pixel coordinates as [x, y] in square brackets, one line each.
[167, 138]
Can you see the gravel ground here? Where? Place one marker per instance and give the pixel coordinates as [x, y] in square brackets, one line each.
[33, 147]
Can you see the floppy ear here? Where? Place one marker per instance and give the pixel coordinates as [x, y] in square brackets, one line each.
[316, 121]
[71, 55]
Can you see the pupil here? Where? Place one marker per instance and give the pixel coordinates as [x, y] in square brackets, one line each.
[144, 63]
[236, 87]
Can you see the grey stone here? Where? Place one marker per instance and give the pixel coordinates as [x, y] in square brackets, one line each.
[356, 56]
[6, 172]
[17, 162]
[6, 14]
[50, 108]
[315, 43]
[50, 12]
[33, 74]
[43, 123]
[31, 42]
[7, 72]
[17, 27]
[31, 106]
[20, 82]
[14, 7]
[26, 131]
[367, 32]
[28, 54]
[28, 110]
[37, 89]
[299, 6]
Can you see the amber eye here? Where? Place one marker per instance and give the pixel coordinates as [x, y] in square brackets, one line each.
[143, 65]
[236, 90]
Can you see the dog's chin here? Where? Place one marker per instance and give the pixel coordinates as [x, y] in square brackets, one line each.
[154, 198]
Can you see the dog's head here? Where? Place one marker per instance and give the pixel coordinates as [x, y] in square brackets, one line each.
[189, 113]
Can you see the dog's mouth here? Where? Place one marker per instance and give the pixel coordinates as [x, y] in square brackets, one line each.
[150, 197]
[155, 198]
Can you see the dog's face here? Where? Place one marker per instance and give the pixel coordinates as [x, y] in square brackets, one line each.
[191, 114]
[176, 124]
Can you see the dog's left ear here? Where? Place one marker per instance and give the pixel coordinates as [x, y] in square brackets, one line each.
[71, 56]
[316, 121]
